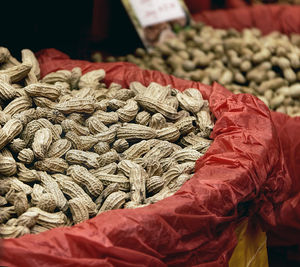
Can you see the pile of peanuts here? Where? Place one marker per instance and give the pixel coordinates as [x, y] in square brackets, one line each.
[72, 147]
[244, 62]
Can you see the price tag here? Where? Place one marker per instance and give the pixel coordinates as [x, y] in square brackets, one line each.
[151, 12]
[157, 20]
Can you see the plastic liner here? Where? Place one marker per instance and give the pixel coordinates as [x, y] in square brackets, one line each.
[268, 18]
[285, 231]
[283, 223]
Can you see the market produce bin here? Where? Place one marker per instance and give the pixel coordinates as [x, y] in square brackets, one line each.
[199, 225]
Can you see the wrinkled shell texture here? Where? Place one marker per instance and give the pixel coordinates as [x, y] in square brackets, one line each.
[244, 62]
[86, 148]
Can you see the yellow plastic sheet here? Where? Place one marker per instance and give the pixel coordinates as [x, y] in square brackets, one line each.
[251, 250]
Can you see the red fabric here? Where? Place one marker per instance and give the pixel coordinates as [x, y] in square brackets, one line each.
[235, 3]
[284, 235]
[267, 18]
[196, 6]
[286, 230]
[243, 169]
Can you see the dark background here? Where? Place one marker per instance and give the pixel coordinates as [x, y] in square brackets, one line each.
[77, 28]
[43, 24]
[67, 26]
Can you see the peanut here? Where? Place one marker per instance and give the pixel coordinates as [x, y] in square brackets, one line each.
[78, 148]
[244, 62]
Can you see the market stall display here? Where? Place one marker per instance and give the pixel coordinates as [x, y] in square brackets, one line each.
[197, 223]
[110, 164]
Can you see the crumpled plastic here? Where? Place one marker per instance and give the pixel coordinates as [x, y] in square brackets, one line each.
[286, 229]
[268, 18]
[243, 173]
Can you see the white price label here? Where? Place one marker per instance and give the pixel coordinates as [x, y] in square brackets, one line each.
[151, 12]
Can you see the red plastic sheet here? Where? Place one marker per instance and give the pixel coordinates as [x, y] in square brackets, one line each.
[236, 3]
[286, 230]
[268, 18]
[284, 235]
[196, 6]
[243, 170]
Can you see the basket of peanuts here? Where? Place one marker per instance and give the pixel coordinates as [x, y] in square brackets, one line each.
[109, 164]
